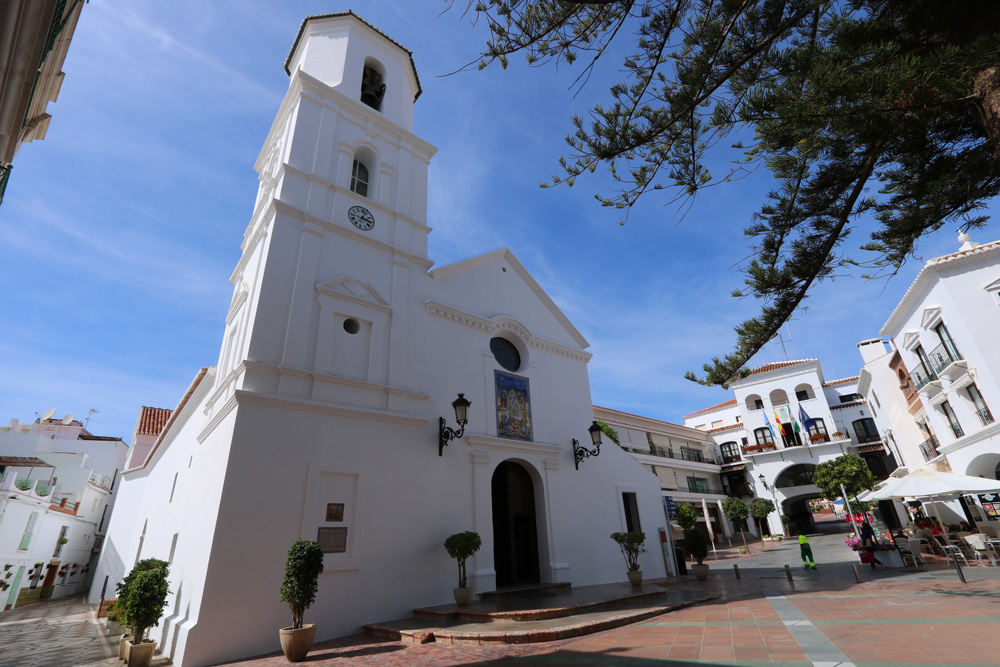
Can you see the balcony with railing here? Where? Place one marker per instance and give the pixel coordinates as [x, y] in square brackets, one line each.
[865, 438]
[947, 362]
[985, 416]
[731, 458]
[929, 448]
[925, 382]
[693, 455]
[956, 428]
[757, 448]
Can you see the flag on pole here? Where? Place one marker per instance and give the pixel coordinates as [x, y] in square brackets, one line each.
[777, 420]
[806, 420]
[767, 423]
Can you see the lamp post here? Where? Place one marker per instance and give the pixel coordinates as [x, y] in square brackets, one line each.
[580, 452]
[446, 433]
[777, 508]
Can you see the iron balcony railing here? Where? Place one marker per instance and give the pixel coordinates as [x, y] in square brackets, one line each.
[985, 416]
[705, 488]
[731, 458]
[956, 428]
[765, 446]
[921, 377]
[864, 438]
[669, 454]
[929, 448]
[942, 356]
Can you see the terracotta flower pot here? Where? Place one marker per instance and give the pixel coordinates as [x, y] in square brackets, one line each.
[635, 577]
[463, 596]
[140, 655]
[296, 643]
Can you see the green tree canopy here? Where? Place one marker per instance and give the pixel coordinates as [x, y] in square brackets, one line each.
[687, 516]
[849, 470]
[760, 508]
[885, 111]
[735, 509]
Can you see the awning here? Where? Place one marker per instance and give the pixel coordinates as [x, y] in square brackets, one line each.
[23, 462]
[733, 467]
[863, 449]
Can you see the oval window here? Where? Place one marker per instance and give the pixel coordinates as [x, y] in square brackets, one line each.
[505, 353]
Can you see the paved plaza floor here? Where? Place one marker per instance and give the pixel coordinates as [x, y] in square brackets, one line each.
[823, 618]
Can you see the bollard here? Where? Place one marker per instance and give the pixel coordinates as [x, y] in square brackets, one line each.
[788, 572]
[958, 568]
[736, 569]
[857, 573]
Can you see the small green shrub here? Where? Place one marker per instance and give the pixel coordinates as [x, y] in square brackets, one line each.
[23, 483]
[142, 594]
[43, 489]
[697, 544]
[302, 570]
[631, 545]
[687, 516]
[461, 547]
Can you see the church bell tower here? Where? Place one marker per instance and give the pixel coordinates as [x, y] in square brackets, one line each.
[339, 229]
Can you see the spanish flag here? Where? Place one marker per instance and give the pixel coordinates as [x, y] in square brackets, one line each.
[777, 421]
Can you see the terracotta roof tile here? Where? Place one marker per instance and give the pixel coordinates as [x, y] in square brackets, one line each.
[834, 383]
[848, 405]
[727, 404]
[152, 420]
[724, 428]
[779, 364]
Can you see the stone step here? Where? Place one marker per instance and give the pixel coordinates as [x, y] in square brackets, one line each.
[537, 625]
[526, 591]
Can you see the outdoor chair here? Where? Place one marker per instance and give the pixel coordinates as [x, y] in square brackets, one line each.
[950, 550]
[915, 548]
[907, 554]
[977, 543]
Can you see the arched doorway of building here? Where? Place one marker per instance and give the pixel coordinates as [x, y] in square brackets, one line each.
[515, 531]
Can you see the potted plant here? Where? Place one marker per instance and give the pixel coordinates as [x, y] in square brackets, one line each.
[302, 570]
[142, 594]
[461, 547]
[697, 545]
[114, 622]
[631, 545]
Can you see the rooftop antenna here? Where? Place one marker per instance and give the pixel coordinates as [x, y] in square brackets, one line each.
[93, 411]
[781, 340]
[67, 420]
[833, 363]
[48, 413]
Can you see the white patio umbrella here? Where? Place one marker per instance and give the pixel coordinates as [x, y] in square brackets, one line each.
[925, 483]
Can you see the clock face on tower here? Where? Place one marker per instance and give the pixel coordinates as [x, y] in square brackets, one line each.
[361, 218]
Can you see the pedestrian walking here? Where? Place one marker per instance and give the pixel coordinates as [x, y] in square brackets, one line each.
[868, 542]
[807, 553]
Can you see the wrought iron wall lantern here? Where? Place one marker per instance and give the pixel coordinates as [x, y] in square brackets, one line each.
[580, 453]
[762, 482]
[446, 433]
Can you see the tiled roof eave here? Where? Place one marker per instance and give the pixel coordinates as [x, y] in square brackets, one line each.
[302, 29]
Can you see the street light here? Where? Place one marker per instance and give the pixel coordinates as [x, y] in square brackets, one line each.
[580, 453]
[447, 433]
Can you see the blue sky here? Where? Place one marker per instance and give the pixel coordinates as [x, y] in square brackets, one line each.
[119, 231]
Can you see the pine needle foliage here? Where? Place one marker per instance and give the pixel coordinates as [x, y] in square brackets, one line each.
[885, 112]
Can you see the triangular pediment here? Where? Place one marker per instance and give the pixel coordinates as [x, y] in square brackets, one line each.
[993, 286]
[353, 289]
[911, 339]
[505, 255]
[931, 317]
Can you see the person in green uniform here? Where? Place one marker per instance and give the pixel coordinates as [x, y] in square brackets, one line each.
[807, 553]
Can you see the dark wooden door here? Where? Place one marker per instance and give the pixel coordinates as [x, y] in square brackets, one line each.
[515, 533]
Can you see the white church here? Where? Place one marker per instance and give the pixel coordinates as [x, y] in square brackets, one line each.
[343, 354]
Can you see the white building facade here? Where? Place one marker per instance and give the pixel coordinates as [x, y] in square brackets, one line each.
[821, 421]
[937, 377]
[343, 351]
[57, 494]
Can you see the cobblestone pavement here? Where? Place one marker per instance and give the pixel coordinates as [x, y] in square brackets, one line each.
[60, 633]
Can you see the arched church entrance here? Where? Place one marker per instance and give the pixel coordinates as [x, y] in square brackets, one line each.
[515, 532]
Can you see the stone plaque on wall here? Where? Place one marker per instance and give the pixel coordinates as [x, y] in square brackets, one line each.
[332, 540]
[335, 511]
